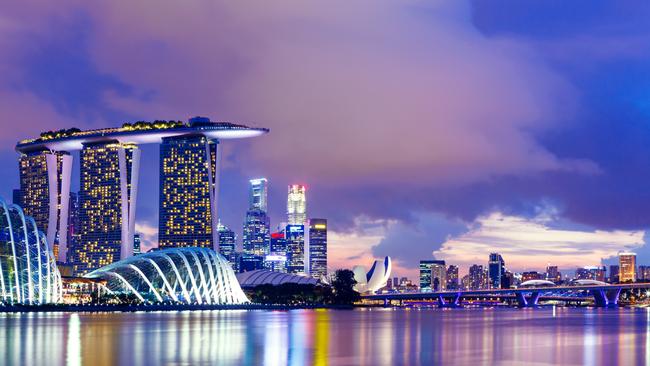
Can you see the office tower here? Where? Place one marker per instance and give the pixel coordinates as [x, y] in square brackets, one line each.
[627, 263]
[276, 260]
[395, 282]
[73, 226]
[107, 200]
[257, 233]
[614, 270]
[297, 205]
[137, 244]
[433, 275]
[644, 273]
[17, 197]
[318, 248]
[295, 236]
[227, 243]
[44, 194]
[452, 277]
[258, 194]
[477, 277]
[188, 192]
[496, 271]
[553, 274]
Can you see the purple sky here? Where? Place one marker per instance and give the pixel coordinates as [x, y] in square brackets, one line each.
[417, 126]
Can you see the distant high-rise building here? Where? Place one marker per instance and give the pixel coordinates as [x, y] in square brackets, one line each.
[227, 244]
[627, 263]
[295, 237]
[250, 262]
[433, 275]
[257, 233]
[276, 261]
[107, 200]
[643, 273]
[258, 194]
[496, 270]
[531, 275]
[553, 274]
[614, 273]
[137, 244]
[44, 193]
[297, 205]
[452, 277]
[188, 192]
[395, 282]
[590, 273]
[478, 278]
[318, 247]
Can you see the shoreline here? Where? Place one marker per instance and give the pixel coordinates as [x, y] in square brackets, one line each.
[155, 307]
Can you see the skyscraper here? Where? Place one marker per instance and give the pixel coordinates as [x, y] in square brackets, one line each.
[44, 194]
[627, 263]
[614, 270]
[452, 277]
[276, 261]
[553, 274]
[137, 244]
[477, 277]
[433, 275]
[318, 247]
[496, 270]
[258, 194]
[73, 226]
[227, 242]
[297, 205]
[107, 199]
[295, 237]
[188, 192]
[257, 233]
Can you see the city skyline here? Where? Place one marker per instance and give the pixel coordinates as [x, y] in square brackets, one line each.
[389, 169]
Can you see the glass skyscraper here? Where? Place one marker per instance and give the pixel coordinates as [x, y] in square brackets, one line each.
[295, 237]
[318, 248]
[433, 275]
[227, 243]
[277, 259]
[496, 270]
[107, 203]
[258, 194]
[188, 195]
[257, 233]
[44, 194]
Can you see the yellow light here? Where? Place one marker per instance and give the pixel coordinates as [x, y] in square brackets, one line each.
[320, 226]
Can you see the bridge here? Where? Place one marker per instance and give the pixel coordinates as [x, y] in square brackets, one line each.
[605, 295]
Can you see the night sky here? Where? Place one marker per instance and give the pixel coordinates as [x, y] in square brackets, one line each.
[421, 128]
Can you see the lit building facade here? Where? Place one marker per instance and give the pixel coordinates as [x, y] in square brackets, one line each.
[478, 278]
[107, 201]
[188, 166]
[295, 237]
[227, 244]
[452, 277]
[433, 275]
[297, 205]
[627, 264]
[45, 193]
[643, 273]
[614, 270]
[257, 233]
[553, 274]
[531, 275]
[137, 244]
[258, 194]
[496, 270]
[276, 261]
[318, 248]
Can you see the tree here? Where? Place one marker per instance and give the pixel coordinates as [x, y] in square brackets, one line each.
[343, 286]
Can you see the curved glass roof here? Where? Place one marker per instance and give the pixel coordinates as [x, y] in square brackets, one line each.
[189, 275]
[264, 277]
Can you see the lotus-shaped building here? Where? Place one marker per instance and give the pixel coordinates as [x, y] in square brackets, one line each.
[28, 273]
[189, 275]
[375, 278]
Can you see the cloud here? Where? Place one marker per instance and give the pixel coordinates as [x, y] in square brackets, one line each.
[148, 235]
[530, 244]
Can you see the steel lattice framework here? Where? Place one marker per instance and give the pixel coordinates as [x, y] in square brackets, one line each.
[190, 275]
[28, 272]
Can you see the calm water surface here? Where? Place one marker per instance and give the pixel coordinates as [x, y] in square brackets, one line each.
[329, 337]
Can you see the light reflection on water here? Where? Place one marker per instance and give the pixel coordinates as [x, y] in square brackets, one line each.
[327, 337]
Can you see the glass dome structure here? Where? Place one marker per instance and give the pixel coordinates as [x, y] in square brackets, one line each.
[28, 272]
[189, 275]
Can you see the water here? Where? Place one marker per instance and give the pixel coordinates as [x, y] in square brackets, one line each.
[327, 337]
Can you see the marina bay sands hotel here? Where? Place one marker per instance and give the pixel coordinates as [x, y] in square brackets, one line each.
[190, 156]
